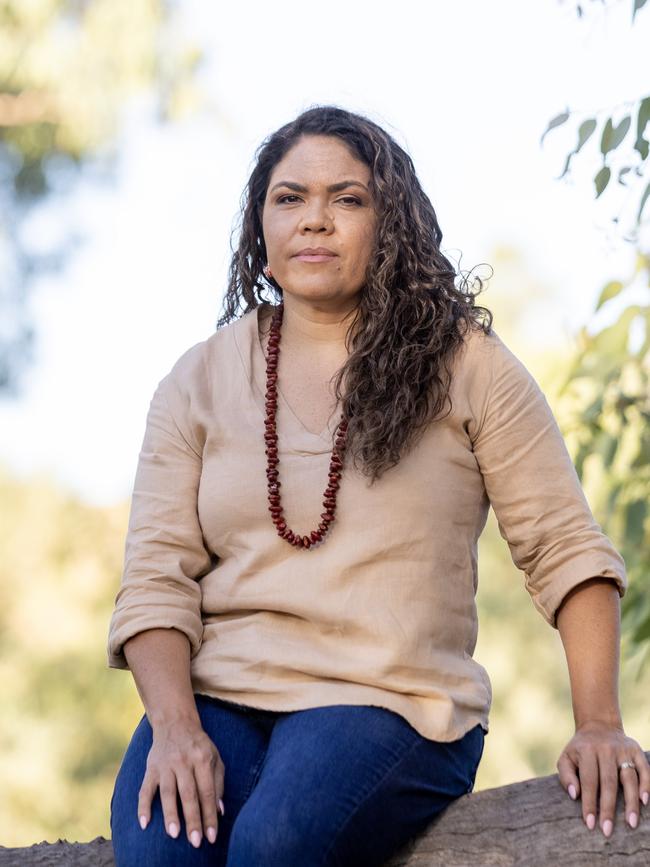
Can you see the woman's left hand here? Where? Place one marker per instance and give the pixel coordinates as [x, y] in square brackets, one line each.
[591, 762]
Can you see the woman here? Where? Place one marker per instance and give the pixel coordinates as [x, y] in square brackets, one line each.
[310, 667]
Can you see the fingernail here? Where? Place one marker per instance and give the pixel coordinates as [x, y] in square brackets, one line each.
[212, 834]
[143, 822]
[572, 791]
[607, 827]
[591, 821]
[644, 798]
[173, 829]
[633, 819]
[222, 808]
[195, 837]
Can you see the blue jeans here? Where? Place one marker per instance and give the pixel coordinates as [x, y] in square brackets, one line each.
[336, 785]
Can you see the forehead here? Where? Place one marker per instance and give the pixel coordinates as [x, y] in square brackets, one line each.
[322, 156]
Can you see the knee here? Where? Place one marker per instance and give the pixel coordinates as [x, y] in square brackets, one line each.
[133, 847]
[274, 842]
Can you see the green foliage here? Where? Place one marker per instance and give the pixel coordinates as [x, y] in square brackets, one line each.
[68, 71]
[613, 134]
[608, 386]
[65, 718]
[608, 382]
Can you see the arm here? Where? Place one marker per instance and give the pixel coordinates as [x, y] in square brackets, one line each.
[533, 487]
[164, 552]
[589, 624]
[181, 752]
[157, 616]
[573, 572]
[159, 660]
[588, 621]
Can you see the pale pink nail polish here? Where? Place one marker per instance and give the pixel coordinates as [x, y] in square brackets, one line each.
[211, 834]
[221, 807]
[143, 822]
[572, 791]
[607, 827]
[644, 798]
[591, 821]
[633, 819]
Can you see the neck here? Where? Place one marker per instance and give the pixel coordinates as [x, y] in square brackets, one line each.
[319, 326]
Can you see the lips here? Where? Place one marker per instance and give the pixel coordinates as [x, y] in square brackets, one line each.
[314, 255]
[312, 252]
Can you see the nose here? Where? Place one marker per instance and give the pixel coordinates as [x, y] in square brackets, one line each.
[316, 218]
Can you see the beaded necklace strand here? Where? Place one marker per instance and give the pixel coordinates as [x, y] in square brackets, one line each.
[271, 451]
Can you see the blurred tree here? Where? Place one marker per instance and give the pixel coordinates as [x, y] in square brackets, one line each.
[68, 69]
[608, 383]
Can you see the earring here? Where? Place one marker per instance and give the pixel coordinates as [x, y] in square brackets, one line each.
[267, 272]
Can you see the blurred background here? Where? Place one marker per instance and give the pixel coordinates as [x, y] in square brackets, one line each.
[127, 133]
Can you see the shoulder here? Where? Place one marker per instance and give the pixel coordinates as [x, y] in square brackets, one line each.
[474, 359]
[203, 360]
[485, 356]
[487, 376]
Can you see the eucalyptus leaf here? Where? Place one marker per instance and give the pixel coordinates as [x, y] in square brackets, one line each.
[623, 172]
[558, 120]
[643, 116]
[638, 4]
[602, 179]
[614, 135]
[610, 290]
[585, 132]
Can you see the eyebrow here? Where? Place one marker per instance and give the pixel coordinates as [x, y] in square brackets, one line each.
[333, 188]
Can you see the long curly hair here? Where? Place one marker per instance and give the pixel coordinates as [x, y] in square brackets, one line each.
[411, 318]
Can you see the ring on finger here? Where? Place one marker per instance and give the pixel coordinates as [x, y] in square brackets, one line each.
[626, 765]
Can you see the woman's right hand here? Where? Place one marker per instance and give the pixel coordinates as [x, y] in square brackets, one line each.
[182, 757]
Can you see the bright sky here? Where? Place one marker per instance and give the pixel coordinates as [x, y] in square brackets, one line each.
[466, 86]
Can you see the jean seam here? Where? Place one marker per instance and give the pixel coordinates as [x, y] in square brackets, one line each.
[368, 795]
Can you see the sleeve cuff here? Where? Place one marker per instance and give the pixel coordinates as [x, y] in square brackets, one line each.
[121, 634]
[548, 600]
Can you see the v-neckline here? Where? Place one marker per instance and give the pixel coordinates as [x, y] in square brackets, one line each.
[258, 360]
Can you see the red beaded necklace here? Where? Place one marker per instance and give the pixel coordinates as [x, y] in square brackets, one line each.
[271, 451]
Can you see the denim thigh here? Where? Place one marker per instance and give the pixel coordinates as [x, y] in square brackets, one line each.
[348, 785]
[241, 735]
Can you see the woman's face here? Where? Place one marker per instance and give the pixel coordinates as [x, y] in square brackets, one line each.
[319, 196]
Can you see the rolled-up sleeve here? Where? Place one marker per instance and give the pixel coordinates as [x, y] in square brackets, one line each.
[534, 489]
[165, 552]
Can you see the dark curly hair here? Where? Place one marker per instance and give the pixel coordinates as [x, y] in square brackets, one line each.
[410, 319]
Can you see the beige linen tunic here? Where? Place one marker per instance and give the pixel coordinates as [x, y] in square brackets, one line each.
[383, 611]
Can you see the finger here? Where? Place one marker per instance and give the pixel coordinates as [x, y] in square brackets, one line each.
[191, 809]
[169, 803]
[588, 773]
[608, 772]
[630, 782]
[567, 772]
[145, 797]
[204, 775]
[643, 768]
